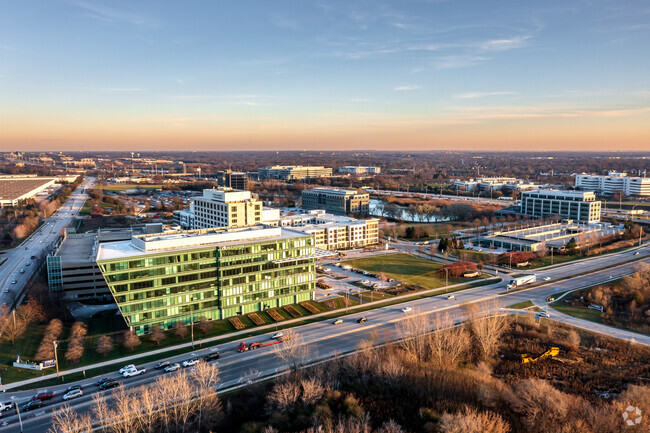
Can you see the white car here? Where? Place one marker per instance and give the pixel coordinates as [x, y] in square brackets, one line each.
[190, 362]
[327, 270]
[172, 367]
[13, 281]
[134, 372]
[73, 394]
[450, 297]
[365, 282]
[6, 406]
[277, 335]
[547, 278]
[406, 309]
[542, 314]
[125, 368]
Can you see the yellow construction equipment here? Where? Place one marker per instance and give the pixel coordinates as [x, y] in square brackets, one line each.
[553, 351]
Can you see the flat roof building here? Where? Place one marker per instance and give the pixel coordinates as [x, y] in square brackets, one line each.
[359, 170]
[614, 182]
[336, 200]
[213, 273]
[224, 207]
[15, 189]
[573, 205]
[293, 172]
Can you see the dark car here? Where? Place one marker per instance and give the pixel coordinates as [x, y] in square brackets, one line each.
[108, 385]
[43, 396]
[212, 356]
[31, 405]
[162, 364]
[72, 388]
[103, 380]
[362, 320]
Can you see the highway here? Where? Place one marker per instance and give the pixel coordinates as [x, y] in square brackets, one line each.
[325, 339]
[22, 261]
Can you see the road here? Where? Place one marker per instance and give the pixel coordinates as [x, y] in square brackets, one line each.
[325, 339]
[19, 265]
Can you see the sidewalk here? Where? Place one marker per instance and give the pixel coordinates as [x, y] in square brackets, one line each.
[231, 336]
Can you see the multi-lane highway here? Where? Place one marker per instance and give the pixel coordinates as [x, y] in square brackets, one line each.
[21, 262]
[326, 339]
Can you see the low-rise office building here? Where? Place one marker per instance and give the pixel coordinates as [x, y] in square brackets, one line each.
[336, 200]
[210, 274]
[361, 170]
[293, 172]
[614, 182]
[223, 207]
[493, 184]
[573, 205]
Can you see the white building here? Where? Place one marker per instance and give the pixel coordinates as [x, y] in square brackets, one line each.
[293, 172]
[223, 207]
[614, 182]
[493, 184]
[359, 170]
[574, 205]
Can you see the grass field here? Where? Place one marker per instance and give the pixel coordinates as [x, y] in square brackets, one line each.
[579, 312]
[405, 268]
[521, 305]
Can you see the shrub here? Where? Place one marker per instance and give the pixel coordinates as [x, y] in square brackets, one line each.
[234, 321]
[309, 307]
[256, 319]
[275, 315]
[292, 311]
[457, 269]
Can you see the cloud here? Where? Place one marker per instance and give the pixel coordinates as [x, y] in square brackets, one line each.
[406, 88]
[111, 15]
[476, 95]
[504, 44]
[458, 61]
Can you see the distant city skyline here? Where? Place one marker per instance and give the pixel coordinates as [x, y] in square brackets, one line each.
[340, 75]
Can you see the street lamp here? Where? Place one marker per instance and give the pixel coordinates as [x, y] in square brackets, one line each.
[56, 357]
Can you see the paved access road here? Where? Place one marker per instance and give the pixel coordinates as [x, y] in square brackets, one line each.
[19, 267]
[326, 339]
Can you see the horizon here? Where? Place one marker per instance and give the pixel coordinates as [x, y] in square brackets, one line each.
[329, 76]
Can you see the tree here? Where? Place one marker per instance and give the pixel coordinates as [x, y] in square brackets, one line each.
[292, 350]
[76, 342]
[157, 335]
[131, 341]
[31, 312]
[571, 246]
[180, 328]
[472, 421]
[11, 328]
[487, 326]
[204, 325]
[105, 345]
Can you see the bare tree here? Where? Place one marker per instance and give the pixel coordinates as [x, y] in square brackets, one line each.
[487, 326]
[157, 335]
[204, 325]
[30, 312]
[292, 350]
[105, 345]
[11, 328]
[131, 341]
[180, 328]
[473, 421]
[206, 378]
[448, 343]
[66, 420]
[414, 333]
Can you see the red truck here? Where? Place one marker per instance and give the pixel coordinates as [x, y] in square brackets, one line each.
[243, 347]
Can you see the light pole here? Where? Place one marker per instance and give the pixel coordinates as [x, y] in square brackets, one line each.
[20, 419]
[192, 327]
[56, 358]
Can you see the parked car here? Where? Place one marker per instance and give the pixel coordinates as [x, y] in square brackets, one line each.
[338, 321]
[406, 309]
[162, 364]
[31, 405]
[172, 367]
[277, 335]
[108, 385]
[43, 395]
[362, 320]
[72, 394]
[126, 367]
[190, 362]
[211, 356]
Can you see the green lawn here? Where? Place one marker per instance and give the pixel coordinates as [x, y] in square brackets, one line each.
[521, 305]
[405, 268]
[579, 312]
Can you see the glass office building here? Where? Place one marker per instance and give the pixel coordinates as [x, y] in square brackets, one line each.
[212, 273]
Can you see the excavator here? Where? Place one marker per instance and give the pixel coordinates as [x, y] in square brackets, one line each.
[553, 351]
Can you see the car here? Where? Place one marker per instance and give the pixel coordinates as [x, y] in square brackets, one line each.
[43, 395]
[110, 384]
[103, 380]
[73, 387]
[542, 314]
[327, 270]
[172, 367]
[338, 321]
[191, 362]
[126, 367]
[162, 364]
[22, 271]
[72, 394]
[406, 309]
[31, 405]
[450, 297]
[32, 257]
[134, 372]
[6, 290]
[636, 254]
[362, 320]
[277, 335]
[547, 278]
[6, 406]
[13, 281]
[211, 356]
[375, 286]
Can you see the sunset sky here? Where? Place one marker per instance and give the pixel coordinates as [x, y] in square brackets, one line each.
[348, 75]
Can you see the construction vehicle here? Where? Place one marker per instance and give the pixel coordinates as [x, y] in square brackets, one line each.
[243, 347]
[520, 281]
[553, 351]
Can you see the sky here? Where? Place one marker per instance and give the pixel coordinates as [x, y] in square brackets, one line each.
[325, 75]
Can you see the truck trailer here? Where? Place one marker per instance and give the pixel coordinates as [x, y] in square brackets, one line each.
[521, 281]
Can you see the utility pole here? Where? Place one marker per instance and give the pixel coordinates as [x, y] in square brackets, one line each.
[20, 419]
[192, 327]
[446, 278]
[56, 357]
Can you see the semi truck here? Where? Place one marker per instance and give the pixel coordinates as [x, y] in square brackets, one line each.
[243, 347]
[521, 281]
